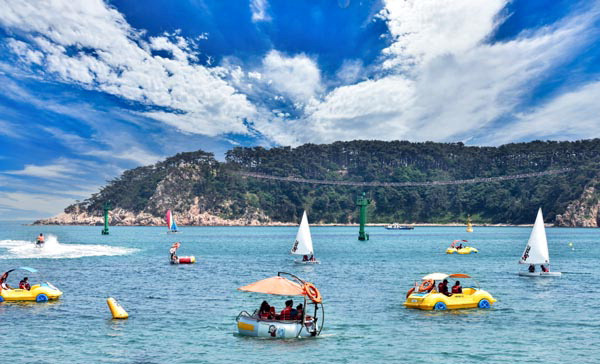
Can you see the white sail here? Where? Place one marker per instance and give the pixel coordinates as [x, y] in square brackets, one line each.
[303, 244]
[536, 251]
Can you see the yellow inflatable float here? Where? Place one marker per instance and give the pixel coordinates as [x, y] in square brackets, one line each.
[117, 311]
[427, 297]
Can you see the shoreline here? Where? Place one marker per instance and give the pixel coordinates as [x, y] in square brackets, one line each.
[313, 225]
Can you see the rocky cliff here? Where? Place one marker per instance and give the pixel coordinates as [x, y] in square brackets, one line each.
[583, 212]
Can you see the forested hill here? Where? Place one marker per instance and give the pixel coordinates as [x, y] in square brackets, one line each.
[201, 190]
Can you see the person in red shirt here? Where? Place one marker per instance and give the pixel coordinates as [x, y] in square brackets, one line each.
[286, 313]
[24, 284]
[443, 288]
[457, 287]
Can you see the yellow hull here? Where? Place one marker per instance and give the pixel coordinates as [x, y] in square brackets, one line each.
[465, 250]
[470, 298]
[40, 293]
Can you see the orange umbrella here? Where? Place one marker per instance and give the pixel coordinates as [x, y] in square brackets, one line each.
[275, 285]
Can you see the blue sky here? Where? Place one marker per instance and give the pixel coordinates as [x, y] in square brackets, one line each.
[90, 88]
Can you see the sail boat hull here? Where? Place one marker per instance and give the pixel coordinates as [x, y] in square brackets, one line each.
[299, 261]
[540, 274]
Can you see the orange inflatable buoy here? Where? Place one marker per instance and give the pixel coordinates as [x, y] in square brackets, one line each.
[312, 292]
[426, 286]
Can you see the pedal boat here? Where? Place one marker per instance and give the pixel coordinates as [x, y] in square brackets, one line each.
[41, 292]
[284, 284]
[464, 250]
[424, 299]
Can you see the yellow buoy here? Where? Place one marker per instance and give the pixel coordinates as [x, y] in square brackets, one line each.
[117, 311]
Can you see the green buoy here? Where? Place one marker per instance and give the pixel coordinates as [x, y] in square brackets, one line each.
[362, 202]
[107, 207]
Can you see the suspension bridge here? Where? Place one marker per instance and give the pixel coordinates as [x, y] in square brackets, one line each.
[404, 184]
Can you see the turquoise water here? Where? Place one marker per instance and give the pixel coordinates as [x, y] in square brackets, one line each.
[186, 314]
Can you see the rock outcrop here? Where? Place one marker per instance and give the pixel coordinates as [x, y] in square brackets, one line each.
[583, 212]
[121, 217]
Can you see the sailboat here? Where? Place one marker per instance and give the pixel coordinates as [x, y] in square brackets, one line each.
[171, 225]
[536, 251]
[303, 244]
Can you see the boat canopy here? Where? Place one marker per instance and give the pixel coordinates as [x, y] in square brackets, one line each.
[442, 276]
[436, 276]
[275, 285]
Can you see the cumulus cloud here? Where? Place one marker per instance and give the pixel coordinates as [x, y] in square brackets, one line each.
[297, 77]
[440, 79]
[91, 44]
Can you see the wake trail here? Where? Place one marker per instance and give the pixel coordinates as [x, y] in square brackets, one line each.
[53, 249]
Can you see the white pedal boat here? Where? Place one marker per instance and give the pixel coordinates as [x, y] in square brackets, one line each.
[272, 325]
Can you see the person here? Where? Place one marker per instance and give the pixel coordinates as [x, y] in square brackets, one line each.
[312, 258]
[172, 251]
[40, 240]
[286, 313]
[305, 258]
[24, 284]
[531, 268]
[457, 287]
[544, 269]
[443, 288]
[264, 312]
[299, 311]
[459, 246]
[3, 284]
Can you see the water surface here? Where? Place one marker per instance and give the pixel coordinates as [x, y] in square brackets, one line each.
[186, 314]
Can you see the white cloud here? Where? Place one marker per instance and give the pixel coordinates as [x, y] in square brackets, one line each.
[59, 170]
[440, 80]
[42, 205]
[571, 115]
[259, 10]
[90, 43]
[298, 77]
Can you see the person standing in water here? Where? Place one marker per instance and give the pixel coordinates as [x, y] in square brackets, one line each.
[40, 240]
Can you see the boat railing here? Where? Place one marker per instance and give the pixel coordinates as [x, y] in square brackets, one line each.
[254, 316]
[243, 313]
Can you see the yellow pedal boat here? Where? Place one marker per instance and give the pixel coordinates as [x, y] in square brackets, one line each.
[465, 250]
[41, 292]
[426, 297]
[457, 247]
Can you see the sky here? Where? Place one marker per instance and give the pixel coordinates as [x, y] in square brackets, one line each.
[90, 88]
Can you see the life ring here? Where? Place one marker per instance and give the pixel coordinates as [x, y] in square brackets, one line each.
[312, 292]
[426, 286]
[410, 291]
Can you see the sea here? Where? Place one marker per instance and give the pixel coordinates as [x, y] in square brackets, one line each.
[186, 313]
